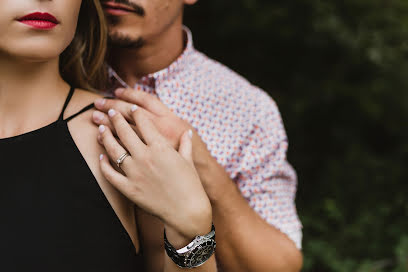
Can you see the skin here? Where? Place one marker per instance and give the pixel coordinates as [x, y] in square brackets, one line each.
[245, 242]
[27, 57]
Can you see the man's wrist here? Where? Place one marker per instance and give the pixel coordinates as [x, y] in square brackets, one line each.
[179, 240]
[201, 155]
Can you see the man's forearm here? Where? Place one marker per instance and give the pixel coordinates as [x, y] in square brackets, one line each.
[245, 242]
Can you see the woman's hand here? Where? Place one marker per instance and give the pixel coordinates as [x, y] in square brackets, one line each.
[155, 176]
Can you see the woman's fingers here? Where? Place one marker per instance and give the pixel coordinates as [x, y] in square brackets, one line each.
[124, 107]
[113, 148]
[100, 118]
[186, 146]
[104, 105]
[114, 177]
[125, 133]
[146, 127]
[149, 102]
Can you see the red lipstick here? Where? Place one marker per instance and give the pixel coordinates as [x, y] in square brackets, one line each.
[39, 20]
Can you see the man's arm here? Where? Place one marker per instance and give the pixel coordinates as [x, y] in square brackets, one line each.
[245, 242]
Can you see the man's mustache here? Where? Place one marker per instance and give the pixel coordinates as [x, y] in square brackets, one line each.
[139, 10]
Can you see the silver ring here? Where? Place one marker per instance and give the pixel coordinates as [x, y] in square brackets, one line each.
[121, 159]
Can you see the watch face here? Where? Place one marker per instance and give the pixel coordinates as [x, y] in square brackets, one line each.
[200, 254]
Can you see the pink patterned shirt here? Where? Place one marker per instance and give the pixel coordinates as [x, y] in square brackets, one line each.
[242, 128]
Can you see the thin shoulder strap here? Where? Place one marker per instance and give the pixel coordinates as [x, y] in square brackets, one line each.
[70, 94]
[90, 106]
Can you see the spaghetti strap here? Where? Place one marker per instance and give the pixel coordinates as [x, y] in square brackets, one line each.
[90, 106]
[70, 94]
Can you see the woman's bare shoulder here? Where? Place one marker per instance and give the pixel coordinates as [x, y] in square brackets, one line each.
[83, 130]
[87, 94]
[81, 99]
[80, 107]
[79, 115]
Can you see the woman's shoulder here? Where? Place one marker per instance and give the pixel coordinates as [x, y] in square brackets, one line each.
[79, 117]
[85, 94]
[80, 100]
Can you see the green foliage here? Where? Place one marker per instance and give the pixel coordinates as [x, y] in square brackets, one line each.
[338, 70]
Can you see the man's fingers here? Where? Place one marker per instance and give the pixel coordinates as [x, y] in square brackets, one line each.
[150, 102]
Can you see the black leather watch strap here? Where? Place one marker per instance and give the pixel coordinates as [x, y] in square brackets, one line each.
[172, 253]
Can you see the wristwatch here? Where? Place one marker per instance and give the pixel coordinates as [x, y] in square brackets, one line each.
[195, 253]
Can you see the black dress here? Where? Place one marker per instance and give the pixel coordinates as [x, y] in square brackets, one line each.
[53, 214]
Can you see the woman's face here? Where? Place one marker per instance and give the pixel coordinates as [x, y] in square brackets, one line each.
[37, 30]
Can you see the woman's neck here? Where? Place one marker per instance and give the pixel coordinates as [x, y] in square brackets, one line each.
[31, 95]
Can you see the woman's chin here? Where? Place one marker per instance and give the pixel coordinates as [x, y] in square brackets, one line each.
[40, 55]
[34, 50]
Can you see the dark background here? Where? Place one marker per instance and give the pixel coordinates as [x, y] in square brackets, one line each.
[338, 70]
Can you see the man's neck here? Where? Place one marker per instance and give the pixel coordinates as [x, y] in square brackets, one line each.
[157, 54]
[30, 94]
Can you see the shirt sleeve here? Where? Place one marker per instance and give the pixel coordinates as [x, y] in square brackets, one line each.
[265, 178]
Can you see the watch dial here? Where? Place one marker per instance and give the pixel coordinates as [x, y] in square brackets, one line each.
[200, 254]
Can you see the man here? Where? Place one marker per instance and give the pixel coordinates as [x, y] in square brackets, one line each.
[240, 146]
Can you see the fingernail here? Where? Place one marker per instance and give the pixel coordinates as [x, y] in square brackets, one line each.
[111, 112]
[101, 128]
[190, 134]
[133, 108]
[100, 102]
[119, 91]
[98, 116]
[101, 157]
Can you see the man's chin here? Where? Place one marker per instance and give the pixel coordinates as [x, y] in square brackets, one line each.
[117, 40]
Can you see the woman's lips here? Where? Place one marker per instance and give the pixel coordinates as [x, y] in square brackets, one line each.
[39, 20]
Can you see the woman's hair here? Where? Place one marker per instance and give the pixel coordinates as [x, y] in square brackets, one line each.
[82, 64]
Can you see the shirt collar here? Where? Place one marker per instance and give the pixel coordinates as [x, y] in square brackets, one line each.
[175, 67]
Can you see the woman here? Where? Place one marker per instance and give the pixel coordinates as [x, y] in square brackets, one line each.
[58, 211]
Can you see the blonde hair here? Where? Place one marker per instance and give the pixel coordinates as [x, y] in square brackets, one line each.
[82, 64]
